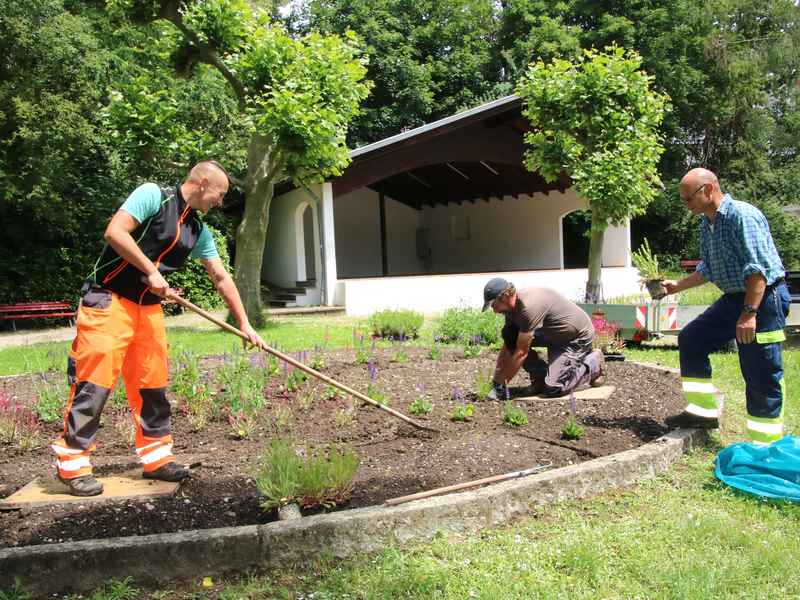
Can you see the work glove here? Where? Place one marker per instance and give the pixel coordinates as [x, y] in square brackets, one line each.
[498, 392]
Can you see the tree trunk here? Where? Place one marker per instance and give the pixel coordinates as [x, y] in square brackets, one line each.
[252, 231]
[594, 287]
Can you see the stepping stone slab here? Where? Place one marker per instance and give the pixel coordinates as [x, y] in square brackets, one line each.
[582, 393]
[122, 486]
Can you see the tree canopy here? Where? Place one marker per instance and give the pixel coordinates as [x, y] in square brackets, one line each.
[597, 119]
[293, 100]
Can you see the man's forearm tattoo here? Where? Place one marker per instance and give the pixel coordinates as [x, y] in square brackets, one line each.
[218, 278]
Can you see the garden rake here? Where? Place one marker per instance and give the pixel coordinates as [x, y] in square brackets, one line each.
[299, 365]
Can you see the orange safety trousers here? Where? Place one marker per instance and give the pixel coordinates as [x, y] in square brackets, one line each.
[116, 335]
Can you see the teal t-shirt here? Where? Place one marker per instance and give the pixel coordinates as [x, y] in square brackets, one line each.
[145, 201]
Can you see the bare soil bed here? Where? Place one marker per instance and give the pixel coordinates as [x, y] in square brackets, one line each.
[396, 459]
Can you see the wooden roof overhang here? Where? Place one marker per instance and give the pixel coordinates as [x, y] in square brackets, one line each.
[473, 156]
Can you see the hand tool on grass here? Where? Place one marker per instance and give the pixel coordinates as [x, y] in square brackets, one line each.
[461, 486]
[299, 365]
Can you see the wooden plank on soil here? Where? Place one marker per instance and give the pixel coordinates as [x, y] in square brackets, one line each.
[582, 393]
[122, 486]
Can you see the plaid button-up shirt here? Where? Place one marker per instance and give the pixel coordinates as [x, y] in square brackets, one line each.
[739, 245]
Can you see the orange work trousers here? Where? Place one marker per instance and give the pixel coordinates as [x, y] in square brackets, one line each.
[116, 335]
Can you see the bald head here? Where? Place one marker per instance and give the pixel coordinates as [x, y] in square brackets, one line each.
[206, 185]
[697, 177]
[211, 170]
[700, 192]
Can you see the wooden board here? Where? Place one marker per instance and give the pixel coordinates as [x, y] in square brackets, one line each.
[584, 392]
[121, 486]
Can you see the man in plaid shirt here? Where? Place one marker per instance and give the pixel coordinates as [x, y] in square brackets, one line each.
[738, 255]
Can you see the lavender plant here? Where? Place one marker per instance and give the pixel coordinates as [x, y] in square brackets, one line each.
[461, 410]
[421, 406]
[572, 431]
[372, 389]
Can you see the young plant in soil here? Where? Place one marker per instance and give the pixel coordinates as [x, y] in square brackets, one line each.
[461, 409]
[572, 431]
[421, 406]
[483, 384]
[514, 417]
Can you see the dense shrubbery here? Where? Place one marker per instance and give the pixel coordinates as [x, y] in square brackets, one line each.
[396, 323]
[460, 323]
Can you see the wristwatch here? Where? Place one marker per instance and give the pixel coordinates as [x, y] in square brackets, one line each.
[750, 309]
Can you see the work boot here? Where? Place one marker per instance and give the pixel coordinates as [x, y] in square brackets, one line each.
[171, 471]
[82, 486]
[498, 392]
[689, 421]
[600, 378]
[534, 389]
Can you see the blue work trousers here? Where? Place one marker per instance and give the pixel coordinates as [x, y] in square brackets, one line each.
[760, 360]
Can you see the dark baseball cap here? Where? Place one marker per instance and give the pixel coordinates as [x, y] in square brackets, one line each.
[492, 290]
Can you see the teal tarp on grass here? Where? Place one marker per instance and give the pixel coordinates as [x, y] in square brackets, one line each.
[770, 470]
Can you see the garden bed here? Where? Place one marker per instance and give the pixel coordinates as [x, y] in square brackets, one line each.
[395, 458]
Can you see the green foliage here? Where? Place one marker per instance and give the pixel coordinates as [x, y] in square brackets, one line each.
[461, 411]
[646, 263]
[421, 406]
[427, 58]
[194, 281]
[572, 431]
[277, 475]
[514, 417]
[400, 355]
[397, 323]
[598, 119]
[284, 476]
[483, 384]
[434, 352]
[464, 322]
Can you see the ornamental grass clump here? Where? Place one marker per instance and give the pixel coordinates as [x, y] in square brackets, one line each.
[396, 322]
[284, 475]
[606, 336]
[572, 431]
[344, 415]
[483, 384]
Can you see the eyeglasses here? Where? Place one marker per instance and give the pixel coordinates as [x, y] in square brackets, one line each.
[689, 198]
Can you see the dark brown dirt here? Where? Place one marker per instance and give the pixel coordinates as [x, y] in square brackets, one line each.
[396, 459]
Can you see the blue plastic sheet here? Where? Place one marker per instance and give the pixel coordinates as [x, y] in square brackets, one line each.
[771, 470]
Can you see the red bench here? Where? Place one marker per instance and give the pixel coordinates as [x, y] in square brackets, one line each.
[689, 265]
[168, 301]
[28, 310]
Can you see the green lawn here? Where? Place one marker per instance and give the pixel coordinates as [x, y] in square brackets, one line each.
[680, 535]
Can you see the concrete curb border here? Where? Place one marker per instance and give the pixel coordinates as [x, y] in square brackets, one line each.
[49, 569]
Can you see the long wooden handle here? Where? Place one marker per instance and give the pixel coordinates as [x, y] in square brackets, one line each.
[461, 486]
[299, 365]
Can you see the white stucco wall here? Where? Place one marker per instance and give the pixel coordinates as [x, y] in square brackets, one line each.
[438, 292]
[515, 234]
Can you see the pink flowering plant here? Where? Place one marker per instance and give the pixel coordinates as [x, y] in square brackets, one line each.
[606, 336]
[125, 423]
[19, 424]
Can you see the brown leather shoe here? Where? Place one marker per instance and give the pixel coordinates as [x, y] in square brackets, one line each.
[534, 389]
[600, 379]
[82, 486]
[690, 421]
[171, 471]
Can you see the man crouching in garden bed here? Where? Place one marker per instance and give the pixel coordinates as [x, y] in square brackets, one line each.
[540, 316]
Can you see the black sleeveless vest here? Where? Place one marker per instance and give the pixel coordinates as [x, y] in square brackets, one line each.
[167, 238]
